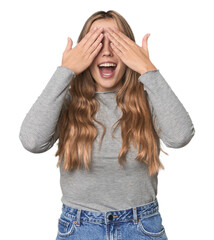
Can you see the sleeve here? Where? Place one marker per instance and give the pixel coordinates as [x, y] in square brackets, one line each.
[168, 113]
[38, 131]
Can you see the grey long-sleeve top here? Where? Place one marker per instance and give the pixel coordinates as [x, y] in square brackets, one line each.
[107, 186]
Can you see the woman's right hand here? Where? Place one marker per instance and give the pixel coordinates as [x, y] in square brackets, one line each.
[82, 55]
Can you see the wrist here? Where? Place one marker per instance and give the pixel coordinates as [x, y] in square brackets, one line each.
[149, 67]
[63, 65]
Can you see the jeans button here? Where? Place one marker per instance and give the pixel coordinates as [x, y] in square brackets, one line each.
[110, 217]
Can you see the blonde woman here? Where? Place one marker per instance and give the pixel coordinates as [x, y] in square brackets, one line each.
[108, 106]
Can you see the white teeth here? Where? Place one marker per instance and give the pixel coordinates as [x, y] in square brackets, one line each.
[107, 65]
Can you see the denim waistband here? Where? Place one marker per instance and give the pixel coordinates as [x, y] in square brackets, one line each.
[111, 216]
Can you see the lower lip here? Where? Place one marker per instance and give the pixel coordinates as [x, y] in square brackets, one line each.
[107, 75]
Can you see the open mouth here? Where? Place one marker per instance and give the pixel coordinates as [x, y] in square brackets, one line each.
[107, 70]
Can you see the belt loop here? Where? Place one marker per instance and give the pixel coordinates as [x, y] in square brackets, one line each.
[135, 215]
[105, 218]
[78, 217]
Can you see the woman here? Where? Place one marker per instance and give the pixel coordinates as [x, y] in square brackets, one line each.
[108, 179]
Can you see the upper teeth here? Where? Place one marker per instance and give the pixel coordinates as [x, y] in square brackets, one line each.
[107, 65]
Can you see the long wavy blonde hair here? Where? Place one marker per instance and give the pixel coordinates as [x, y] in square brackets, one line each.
[77, 131]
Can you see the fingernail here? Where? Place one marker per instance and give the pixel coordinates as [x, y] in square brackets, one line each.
[94, 28]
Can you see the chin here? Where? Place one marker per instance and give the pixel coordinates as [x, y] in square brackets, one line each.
[107, 85]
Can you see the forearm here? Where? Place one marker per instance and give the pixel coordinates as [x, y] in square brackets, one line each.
[172, 118]
[37, 132]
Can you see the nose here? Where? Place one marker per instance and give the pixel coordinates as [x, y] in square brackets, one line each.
[106, 49]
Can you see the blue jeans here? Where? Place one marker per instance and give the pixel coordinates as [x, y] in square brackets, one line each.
[138, 223]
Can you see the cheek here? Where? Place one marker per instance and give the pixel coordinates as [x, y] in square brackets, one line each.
[122, 69]
[92, 68]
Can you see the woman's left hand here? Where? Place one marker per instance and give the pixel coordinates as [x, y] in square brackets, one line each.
[134, 56]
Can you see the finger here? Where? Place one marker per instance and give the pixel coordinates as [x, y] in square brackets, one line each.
[95, 52]
[87, 36]
[92, 40]
[91, 37]
[69, 44]
[117, 42]
[95, 44]
[119, 39]
[126, 39]
[116, 50]
[145, 43]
